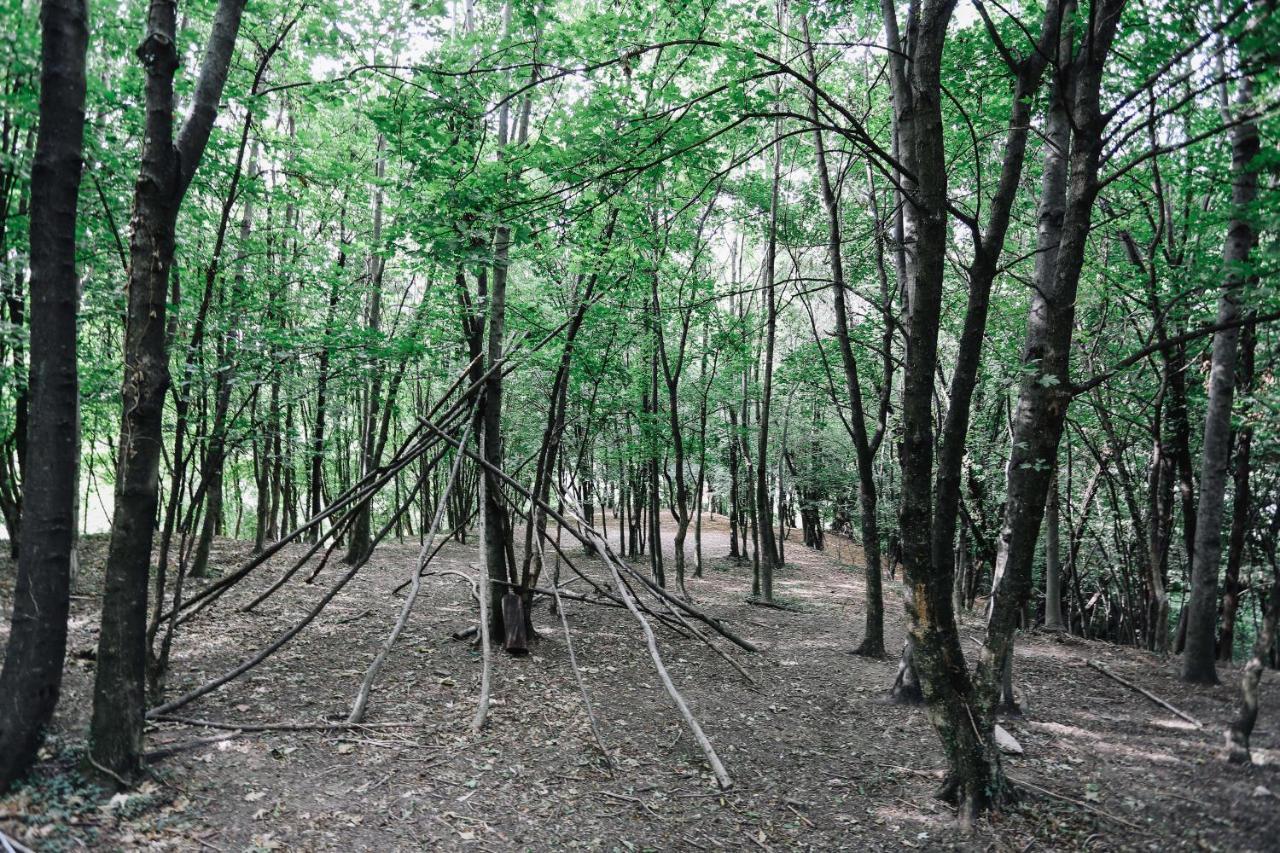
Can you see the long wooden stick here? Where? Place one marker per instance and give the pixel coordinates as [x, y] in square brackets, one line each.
[709, 751]
[279, 727]
[577, 673]
[1100, 667]
[482, 593]
[362, 695]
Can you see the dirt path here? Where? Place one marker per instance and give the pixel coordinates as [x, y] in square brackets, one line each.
[819, 761]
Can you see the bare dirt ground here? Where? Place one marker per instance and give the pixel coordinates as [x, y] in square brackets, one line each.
[819, 760]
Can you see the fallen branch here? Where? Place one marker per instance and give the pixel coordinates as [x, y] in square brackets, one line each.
[1100, 667]
[278, 727]
[775, 605]
[155, 755]
[1081, 803]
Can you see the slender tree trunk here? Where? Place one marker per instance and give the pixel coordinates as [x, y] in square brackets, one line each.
[166, 170]
[1241, 508]
[358, 544]
[864, 450]
[32, 675]
[216, 451]
[315, 479]
[1199, 656]
[763, 528]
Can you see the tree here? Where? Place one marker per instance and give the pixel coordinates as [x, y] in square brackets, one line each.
[32, 674]
[1199, 658]
[168, 164]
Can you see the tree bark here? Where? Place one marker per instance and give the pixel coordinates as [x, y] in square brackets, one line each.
[166, 170]
[1241, 507]
[32, 675]
[768, 548]
[1053, 620]
[358, 543]
[1070, 186]
[864, 447]
[1198, 661]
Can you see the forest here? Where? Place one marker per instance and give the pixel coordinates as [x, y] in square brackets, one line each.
[499, 424]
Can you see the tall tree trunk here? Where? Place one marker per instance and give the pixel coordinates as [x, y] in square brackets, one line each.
[1070, 186]
[1198, 661]
[32, 675]
[864, 447]
[166, 170]
[1241, 509]
[763, 528]
[315, 478]
[934, 642]
[358, 544]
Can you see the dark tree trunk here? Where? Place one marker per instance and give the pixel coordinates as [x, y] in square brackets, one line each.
[32, 674]
[167, 168]
[936, 656]
[1198, 661]
[1053, 620]
[1241, 508]
[864, 447]
[315, 479]
[360, 540]
[763, 528]
[1070, 186]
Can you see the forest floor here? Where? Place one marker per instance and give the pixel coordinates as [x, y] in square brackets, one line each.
[819, 760]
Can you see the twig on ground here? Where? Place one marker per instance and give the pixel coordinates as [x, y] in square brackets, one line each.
[167, 751]
[1100, 667]
[776, 605]
[278, 727]
[630, 799]
[1081, 803]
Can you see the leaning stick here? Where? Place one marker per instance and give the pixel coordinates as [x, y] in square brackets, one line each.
[370, 484]
[707, 640]
[482, 594]
[717, 768]
[577, 673]
[665, 621]
[585, 538]
[362, 697]
[1100, 667]
[362, 489]
[275, 646]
